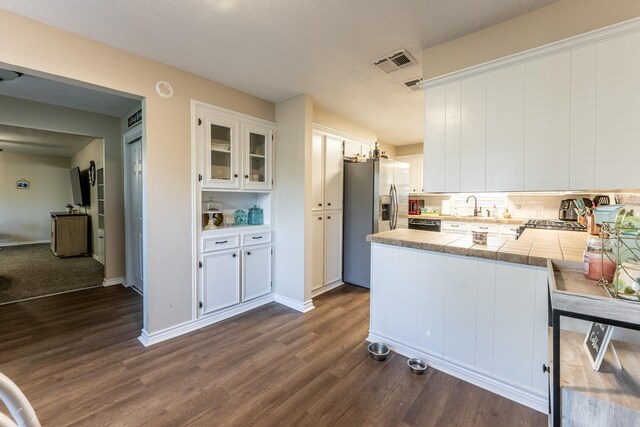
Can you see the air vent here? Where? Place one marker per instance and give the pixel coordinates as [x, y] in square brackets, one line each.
[412, 85]
[395, 61]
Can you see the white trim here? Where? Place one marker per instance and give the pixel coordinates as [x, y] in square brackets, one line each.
[580, 40]
[137, 131]
[33, 242]
[196, 203]
[148, 339]
[526, 397]
[233, 115]
[325, 130]
[115, 281]
[296, 305]
[326, 288]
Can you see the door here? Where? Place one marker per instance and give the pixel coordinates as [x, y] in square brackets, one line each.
[256, 268]
[220, 142]
[317, 251]
[473, 121]
[220, 280]
[333, 166]
[333, 247]
[257, 157]
[134, 211]
[317, 172]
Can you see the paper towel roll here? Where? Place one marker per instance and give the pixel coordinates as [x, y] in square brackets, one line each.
[444, 208]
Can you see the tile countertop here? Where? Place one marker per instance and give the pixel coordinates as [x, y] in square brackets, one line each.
[533, 247]
[472, 219]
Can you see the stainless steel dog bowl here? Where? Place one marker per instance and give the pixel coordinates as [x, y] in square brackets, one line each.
[417, 366]
[378, 351]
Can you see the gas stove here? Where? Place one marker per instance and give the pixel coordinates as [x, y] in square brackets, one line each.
[546, 224]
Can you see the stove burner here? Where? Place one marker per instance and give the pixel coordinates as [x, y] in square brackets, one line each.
[545, 224]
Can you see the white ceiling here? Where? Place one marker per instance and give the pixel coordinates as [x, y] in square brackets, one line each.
[276, 49]
[67, 95]
[41, 142]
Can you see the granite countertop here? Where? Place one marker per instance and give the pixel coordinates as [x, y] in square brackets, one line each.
[533, 247]
[472, 219]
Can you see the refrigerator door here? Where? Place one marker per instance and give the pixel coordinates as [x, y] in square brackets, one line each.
[384, 194]
[401, 182]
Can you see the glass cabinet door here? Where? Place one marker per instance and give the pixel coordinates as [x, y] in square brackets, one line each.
[221, 153]
[257, 157]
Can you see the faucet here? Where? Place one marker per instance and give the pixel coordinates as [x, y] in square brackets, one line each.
[476, 211]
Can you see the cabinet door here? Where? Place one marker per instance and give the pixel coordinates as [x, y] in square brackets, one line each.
[452, 138]
[473, 121]
[332, 247]
[220, 280]
[317, 172]
[333, 166]
[434, 138]
[415, 173]
[547, 123]
[582, 151]
[505, 129]
[460, 309]
[618, 113]
[221, 155]
[257, 151]
[256, 272]
[352, 148]
[317, 251]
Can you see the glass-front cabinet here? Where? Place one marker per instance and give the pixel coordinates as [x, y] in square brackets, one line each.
[221, 152]
[257, 157]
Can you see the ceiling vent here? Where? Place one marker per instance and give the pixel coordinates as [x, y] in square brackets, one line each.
[412, 85]
[395, 61]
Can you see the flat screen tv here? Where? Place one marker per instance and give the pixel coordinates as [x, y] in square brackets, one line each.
[79, 187]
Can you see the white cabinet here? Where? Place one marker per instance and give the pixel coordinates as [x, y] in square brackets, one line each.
[317, 172]
[455, 227]
[256, 272]
[327, 166]
[473, 121]
[354, 148]
[452, 138]
[547, 123]
[236, 150]
[220, 280]
[416, 181]
[618, 113]
[434, 139]
[490, 228]
[505, 129]
[317, 250]
[332, 247]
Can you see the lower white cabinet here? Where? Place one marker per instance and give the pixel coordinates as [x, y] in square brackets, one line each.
[256, 272]
[220, 280]
[317, 251]
[326, 249]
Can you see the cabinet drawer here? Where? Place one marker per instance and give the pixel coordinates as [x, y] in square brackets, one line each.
[455, 226]
[219, 243]
[256, 238]
[489, 228]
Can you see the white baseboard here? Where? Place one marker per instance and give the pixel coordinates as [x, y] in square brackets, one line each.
[525, 397]
[94, 256]
[114, 281]
[296, 305]
[34, 242]
[148, 339]
[327, 288]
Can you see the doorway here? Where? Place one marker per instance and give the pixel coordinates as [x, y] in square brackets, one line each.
[133, 170]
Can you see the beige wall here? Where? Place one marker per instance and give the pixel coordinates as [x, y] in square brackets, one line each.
[334, 121]
[169, 229]
[24, 214]
[557, 21]
[387, 148]
[409, 150]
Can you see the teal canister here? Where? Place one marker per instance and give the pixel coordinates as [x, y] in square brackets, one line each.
[255, 216]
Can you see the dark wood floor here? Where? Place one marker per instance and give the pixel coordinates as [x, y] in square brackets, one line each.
[77, 359]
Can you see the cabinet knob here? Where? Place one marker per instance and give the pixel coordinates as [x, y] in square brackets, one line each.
[545, 368]
[246, 176]
[328, 217]
[319, 218]
[319, 204]
[328, 204]
[248, 253]
[233, 255]
[235, 175]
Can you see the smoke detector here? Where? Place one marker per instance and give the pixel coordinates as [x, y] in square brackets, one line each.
[395, 61]
[412, 85]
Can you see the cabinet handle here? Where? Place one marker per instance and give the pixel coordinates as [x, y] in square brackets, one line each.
[454, 226]
[256, 237]
[222, 242]
[483, 228]
[233, 255]
[235, 175]
[545, 368]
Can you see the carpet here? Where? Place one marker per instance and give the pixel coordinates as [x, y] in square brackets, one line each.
[29, 271]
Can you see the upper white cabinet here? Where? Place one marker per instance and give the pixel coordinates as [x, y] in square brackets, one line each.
[434, 138]
[354, 148]
[327, 166]
[505, 130]
[473, 123]
[317, 172]
[237, 151]
[547, 124]
[618, 113]
[560, 117]
[416, 181]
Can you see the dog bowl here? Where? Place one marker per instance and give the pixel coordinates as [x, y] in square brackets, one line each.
[378, 351]
[417, 366]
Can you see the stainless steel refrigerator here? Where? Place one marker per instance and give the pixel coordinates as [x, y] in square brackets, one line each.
[376, 198]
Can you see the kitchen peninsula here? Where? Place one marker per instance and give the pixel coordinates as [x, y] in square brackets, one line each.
[478, 312]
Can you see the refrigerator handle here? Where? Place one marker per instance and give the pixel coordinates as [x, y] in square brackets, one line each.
[396, 210]
[392, 207]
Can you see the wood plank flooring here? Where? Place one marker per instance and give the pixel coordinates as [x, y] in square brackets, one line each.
[77, 358]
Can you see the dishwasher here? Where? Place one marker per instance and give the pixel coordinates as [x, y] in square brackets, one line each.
[425, 224]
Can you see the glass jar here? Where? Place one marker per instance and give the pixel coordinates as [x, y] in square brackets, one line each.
[255, 216]
[598, 261]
